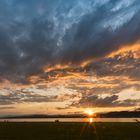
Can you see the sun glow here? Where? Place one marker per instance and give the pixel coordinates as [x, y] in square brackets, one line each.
[90, 120]
[89, 112]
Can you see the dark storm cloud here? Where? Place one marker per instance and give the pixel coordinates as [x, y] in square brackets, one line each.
[23, 96]
[120, 65]
[108, 75]
[94, 36]
[111, 75]
[34, 34]
[110, 101]
[14, 98]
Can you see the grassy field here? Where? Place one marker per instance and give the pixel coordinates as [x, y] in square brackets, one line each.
[69, 131]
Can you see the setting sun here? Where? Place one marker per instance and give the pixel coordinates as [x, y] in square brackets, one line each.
[90, 120]
[89, 112]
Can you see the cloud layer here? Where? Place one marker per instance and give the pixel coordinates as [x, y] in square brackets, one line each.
[38, 34]
[89, 48]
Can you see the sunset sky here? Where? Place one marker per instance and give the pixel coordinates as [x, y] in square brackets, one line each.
[66, 56]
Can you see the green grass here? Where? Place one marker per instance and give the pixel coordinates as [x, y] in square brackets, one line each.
[69, 131]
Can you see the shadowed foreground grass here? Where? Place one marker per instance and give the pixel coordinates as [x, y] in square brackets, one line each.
[69, 131]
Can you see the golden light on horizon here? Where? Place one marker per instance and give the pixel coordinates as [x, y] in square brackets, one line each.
[89, 112]
[90, 120]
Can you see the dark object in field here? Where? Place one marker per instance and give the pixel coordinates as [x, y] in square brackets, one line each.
[56, 121]
[137, 120]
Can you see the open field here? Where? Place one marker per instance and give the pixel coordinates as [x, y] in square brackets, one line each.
[69, 131]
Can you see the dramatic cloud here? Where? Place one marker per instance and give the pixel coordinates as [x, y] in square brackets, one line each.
[22, 96]
[110, 101]
[38, 34]
[78, 52]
